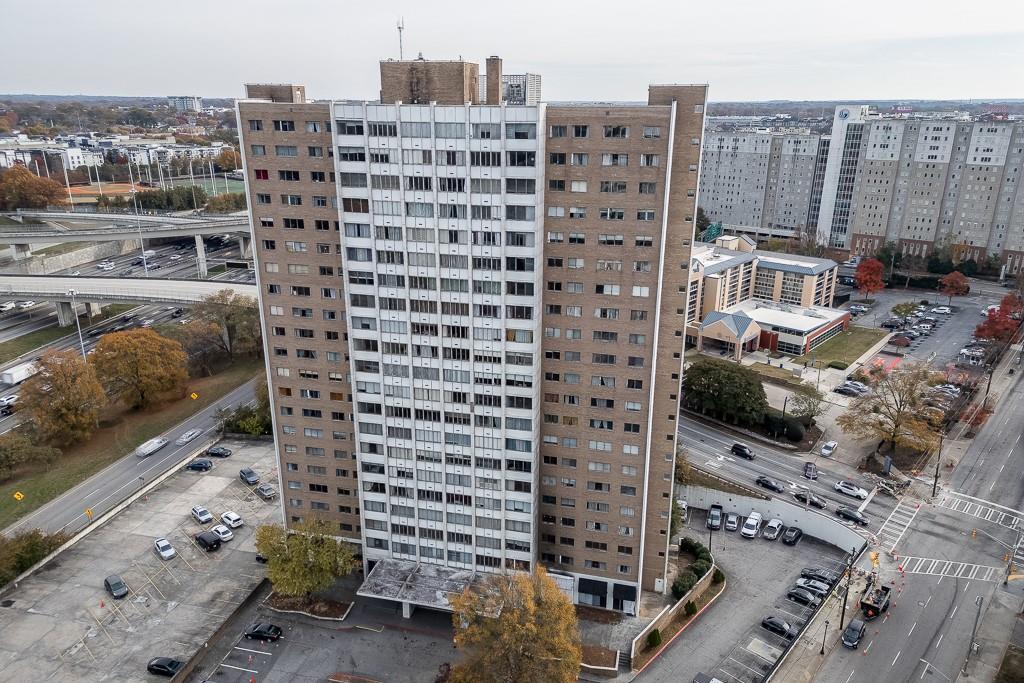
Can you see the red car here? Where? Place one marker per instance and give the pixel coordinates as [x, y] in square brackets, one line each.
[900, 341]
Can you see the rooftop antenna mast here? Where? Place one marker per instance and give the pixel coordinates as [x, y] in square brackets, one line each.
[401, 27]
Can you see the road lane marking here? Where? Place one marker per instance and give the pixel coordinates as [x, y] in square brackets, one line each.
[912, 629]
[926, 602]
[937, 642]
[896, 657]
[850, 676]
[953, 613]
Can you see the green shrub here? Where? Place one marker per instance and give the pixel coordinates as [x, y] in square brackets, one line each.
[683, 583]
[774, 424]
[700, 568]
[654, 638]
[705, 555]
[690, 608]
[688, 545]
[838, 365]
[794, 430]
[718, 576]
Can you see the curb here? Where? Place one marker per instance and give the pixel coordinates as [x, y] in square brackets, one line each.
[307, 614]
[725, 584]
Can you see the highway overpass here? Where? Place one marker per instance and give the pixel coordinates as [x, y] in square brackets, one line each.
[116, 226]
[108, 290]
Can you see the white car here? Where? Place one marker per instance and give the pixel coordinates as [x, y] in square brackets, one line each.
[188, 436]
[75, 273]
[164, 549]
[772, 529]
[201, 514]
[222, 532]
[7, 306]
[146, 324]
[175, 257]
[10, 399]
[828, 449]
[850, 489]
[26, 304]
[945, 310]
[232, 519]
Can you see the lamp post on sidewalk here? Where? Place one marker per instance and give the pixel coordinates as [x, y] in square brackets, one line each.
[846, 593]
[78, 324]
[823, 634]
[938, 460]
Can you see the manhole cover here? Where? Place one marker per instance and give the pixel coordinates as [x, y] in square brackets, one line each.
[6, 603]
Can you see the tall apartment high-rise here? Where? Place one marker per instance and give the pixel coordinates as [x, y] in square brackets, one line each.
[185, 103]
[516, 88]
[474, 318]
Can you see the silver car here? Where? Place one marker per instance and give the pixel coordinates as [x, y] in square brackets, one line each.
[188, 436]
[164, 549]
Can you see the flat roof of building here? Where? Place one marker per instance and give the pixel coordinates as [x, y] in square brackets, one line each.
[801, 319]
[426, 585]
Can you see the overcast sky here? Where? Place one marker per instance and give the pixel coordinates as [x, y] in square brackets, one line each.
[594, 49]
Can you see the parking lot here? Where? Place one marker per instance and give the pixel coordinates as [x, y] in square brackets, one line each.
[728, 641]
[60, 623]
[951, 331]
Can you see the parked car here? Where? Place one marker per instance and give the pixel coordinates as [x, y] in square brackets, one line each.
[116, 586]
[818, 588]
[200, 465]
[218, 452]
[208, 541]
[266, 492]
[901, 341]
[187, 436]
[848, 488]
[820, 574]
[263, 632]
[232, 519]
[732, 521]
[804, 597]
[163, 548]
[854, 633]
[792, 536]
[828, 449]
[846, 390]
[810, 471]
[164, 666]
[201, 514]
[891, 324]
[770, 484]
[778, 626]
[752, 525]
[852, 515]
[805, 496]
[223, 533]
[944, 310]
[772, 529]
[742, 450]
[248, 476]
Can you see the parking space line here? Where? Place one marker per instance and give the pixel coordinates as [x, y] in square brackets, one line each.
[245, 649]
[753, 671]
[238, 668]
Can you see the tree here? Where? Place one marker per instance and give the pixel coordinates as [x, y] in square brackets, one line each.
[889, 256]
[954, 284]
[998, 326]
[1012, 305]
[64, 399]
[703, 222]
[305, 559]
[807, 402]
[20, 188]
[201, 340]
[237, 316]
[18, 448]
[516, 627]
[892, 410]
[227, 160]
[725, 390]
[904, 309]
[138, 367]
[683, 468]
[869, 277]
[677, 518]
[226, 203]
[23, 549]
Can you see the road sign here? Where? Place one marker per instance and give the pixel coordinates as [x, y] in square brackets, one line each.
[88, 513]
[18, 495]
[193, 395]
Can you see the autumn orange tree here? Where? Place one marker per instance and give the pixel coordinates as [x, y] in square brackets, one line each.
[869, 277]
[20, 188]
[892, 410]
[64, 399]
[516, 627]
[998, 326]
[227, 160]
[138, 367]
[954, 284]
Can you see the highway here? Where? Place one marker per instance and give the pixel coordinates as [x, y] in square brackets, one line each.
[104, 490]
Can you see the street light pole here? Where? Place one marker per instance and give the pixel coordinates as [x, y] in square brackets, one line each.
[823, 634]
[78, 324]
[846, 593]
[938, 461]
[974, 632]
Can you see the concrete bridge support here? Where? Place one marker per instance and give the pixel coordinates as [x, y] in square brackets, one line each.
[244, 246]
[65, 313]
[201, 257]
[21, 251]
[93, 309]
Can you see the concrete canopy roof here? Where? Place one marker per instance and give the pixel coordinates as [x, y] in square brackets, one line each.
[426, 585]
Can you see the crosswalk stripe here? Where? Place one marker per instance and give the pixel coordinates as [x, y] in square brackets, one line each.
[988, 513]
[937, 567]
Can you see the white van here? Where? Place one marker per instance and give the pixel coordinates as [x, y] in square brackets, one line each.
[149, 253]
[752, 525]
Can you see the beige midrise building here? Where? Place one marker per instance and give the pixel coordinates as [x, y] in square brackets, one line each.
[742, 299]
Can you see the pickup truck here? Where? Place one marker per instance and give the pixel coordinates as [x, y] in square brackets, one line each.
[715, 517]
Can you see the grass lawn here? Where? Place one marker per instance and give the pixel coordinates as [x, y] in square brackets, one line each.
[122, 432]
[846, 346]
[9, 350]
[779, 374]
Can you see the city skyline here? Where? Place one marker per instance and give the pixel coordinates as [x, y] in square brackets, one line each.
[768, 55]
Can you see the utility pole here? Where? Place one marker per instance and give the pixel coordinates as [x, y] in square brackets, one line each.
[1009, 559]
[938, 460]
[846, 593]
[974, 632]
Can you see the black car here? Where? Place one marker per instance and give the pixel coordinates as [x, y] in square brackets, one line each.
[891, 324]
[854, 633]
[6, 411]
[263, 632]
[218, 452]
[811, 499]
[248, 476]
[95, 332]
[137, 262]
[128, 318]
[177, 313]
[164, 666]
[778, 627]
[810, 470]
[208, 541]
[819, 574]
[803, 596]
[792, 536]
[200, 465]
[852, 515]
[769, 483]
[742, 450]
[116, 586]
